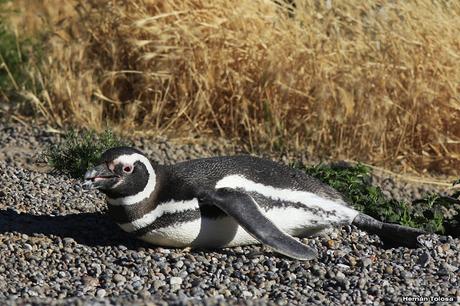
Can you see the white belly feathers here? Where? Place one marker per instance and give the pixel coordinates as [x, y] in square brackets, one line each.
[207, 232]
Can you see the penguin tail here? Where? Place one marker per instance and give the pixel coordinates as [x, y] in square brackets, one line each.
[391, 234]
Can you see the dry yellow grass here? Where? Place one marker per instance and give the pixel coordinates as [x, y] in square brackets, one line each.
[374, 81]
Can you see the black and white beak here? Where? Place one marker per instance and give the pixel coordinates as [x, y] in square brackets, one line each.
[98, 177]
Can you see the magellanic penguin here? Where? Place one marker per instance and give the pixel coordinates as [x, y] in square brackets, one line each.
[225, 201]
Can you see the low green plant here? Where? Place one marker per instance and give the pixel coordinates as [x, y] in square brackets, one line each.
[79, 151]
[440, 213]
[433, 213]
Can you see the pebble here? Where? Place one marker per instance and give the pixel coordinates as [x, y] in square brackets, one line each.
[179, 264]
[424, 259]
[175, 281]
[340, 277]
[365, 262]
[58, 245]
[101, 293]
[157, 284]
[119, 278]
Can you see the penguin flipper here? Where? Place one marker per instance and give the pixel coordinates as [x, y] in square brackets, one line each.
[392, 234]
[248, 214]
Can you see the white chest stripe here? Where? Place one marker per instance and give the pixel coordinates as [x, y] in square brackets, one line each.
[163, 208]
[149, 187]
[307, 198]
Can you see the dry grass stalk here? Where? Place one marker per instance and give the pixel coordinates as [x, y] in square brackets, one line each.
[372, 80]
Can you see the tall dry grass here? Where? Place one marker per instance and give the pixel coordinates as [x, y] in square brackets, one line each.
[371, 80]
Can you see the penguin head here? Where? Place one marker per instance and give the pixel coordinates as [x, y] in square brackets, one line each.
[122, 172]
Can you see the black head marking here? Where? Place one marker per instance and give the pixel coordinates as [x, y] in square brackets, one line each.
[122, 172]
[132, 183]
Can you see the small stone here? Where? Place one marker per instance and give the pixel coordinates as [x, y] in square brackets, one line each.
[90, 281]
[164, 251]
[440, 249]
[179, 264]
[246, 294]
[101, 293]
[118, 278]
[445, 247]
[175, 287]
[196, 282]
[339, 277]
[449, 267]
[137, 285]
[406, 275]
[175, 280]
[68, 240]
[157, 284]
[145, 293]
[424, 259]
[330, 244]
[362, 283]
[373, 290]
[428, 243]
[366, 262]
[352, 261]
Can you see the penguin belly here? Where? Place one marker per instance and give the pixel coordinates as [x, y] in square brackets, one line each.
[194, 228]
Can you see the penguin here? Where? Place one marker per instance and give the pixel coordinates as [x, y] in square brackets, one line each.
[226, 201]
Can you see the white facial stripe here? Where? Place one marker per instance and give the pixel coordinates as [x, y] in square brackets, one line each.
[163, 208]
[148, 189]
[307, 198]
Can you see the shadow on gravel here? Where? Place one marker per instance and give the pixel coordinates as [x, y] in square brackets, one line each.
[91, 229]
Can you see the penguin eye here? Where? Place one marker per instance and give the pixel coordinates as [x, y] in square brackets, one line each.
[127, 169]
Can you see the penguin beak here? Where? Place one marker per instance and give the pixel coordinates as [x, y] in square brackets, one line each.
[97, 176]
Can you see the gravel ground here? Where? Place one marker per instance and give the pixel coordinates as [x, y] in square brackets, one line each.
[58, 247]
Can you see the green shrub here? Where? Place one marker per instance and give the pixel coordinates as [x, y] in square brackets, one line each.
[433, 213]
[79, 151]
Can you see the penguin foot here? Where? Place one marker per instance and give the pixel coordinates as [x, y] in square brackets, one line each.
[391, 234]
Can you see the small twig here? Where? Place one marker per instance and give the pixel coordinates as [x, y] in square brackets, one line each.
[5, 66]
[18, 119]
